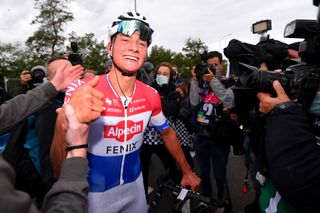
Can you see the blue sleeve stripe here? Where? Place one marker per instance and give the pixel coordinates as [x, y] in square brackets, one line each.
[162, 127]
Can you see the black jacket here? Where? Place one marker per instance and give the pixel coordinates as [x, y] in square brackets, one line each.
[293, 158]
[69, 194]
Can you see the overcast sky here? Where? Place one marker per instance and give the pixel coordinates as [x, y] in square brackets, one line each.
[214, 22]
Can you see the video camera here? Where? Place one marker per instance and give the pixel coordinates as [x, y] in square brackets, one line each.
[202, 69]
[74, 57]
[299, 79]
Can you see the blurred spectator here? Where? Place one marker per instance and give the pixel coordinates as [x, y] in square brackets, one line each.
[177, 109]
[30, 141]
[70, 192]
[182, 123]
[89, 73]
[30, 79]
[108, 65]
[176, 73]
[4, 96]
[152, 142]
[146, 74]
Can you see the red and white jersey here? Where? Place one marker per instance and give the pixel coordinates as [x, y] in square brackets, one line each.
[116, 136]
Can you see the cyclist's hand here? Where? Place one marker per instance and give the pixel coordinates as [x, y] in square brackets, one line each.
[192, 180]
[87, 101]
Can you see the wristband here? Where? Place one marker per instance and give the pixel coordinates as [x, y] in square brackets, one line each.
[69, 148]
[281, 107]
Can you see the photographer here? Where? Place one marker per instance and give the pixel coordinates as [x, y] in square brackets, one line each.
[292, 153]
[223, 94]
[30, 79]
[209, 96]
[289, 102]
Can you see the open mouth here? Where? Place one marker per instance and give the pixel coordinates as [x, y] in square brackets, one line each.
[131, 58]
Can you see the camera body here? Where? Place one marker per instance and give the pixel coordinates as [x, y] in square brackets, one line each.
[74, 57]
[300, 80]
[202, 69]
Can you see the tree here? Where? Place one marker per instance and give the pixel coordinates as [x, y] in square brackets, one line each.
[160, 54]
[191, 49]
[14, 59]
[48, 39]
[184, 64]
[92, 51]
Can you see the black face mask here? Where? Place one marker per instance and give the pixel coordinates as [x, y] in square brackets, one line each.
[163, 90]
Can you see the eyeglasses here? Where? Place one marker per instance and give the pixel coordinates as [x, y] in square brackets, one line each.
[128, 27]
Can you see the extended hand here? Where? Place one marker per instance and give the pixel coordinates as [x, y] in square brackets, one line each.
[65, 76]
[77, 133]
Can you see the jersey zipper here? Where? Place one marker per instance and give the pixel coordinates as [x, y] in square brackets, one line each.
[124, 142]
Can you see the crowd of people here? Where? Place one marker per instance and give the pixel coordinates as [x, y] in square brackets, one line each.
[82, 142]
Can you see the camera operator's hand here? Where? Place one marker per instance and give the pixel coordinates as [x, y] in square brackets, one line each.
[208, 77]
[25, 76]
[65, 76]
[87, 101]
[267, 102]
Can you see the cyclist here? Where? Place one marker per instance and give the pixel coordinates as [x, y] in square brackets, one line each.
[115, 139]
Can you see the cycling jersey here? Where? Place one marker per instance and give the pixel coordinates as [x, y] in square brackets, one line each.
[115, 138]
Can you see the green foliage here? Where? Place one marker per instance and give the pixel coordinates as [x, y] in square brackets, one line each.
[160, 54]
[48, 39]
[93, 52]
[14, 59]
[183, 61]
[191, 49]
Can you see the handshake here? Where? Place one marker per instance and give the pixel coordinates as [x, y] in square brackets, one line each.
[72, 127]
[87, 101]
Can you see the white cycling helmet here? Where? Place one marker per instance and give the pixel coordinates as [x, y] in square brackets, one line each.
[131, 22]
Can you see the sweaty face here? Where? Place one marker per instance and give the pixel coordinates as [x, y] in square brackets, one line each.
[55, 65]
[129, 52]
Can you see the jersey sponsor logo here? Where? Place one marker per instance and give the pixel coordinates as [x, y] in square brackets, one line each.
[116, 102]
[119, 131]
[121, 149]
[114, 110]
[140, 100]
[71, 88]
[108, 101]
[133, 109]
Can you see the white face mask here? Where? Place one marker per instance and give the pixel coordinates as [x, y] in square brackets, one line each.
[162, 80]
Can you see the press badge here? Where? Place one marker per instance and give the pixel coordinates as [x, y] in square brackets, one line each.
[202, 118]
